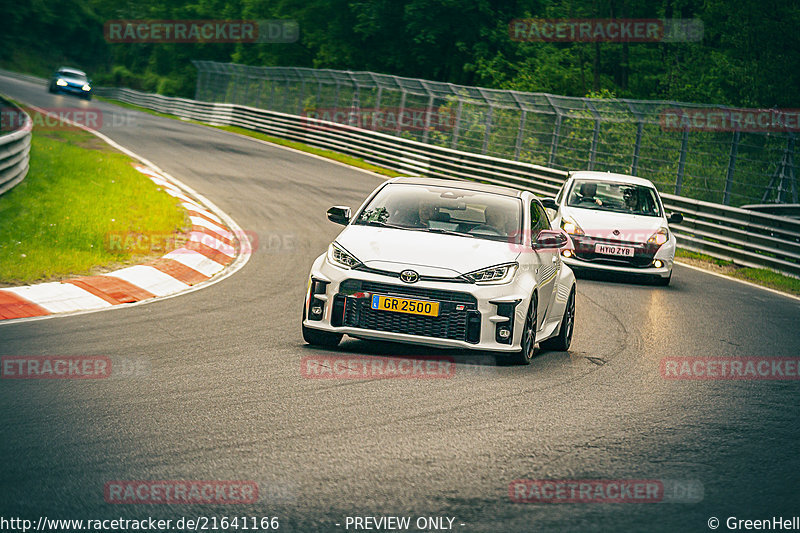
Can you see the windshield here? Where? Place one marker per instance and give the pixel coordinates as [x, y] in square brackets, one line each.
[615, 197]
[71, 74]
[445, 210]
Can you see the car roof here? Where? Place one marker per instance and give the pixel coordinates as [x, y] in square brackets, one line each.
[70, 70]
[460, 184]
[610, 176]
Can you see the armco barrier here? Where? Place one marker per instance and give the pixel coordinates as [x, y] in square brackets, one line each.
[747, 238]
[15, 149]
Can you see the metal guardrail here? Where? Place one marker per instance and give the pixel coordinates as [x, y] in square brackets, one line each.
[748, 238]
[784, 210]
[15, 148]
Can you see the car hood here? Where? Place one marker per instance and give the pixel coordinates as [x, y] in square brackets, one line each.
[430, 254]
[603, 224]
[73, 81]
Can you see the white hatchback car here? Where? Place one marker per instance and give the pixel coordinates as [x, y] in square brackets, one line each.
[444, 263]
[616, 223]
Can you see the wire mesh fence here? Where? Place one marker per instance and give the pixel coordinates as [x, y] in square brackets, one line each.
[734, 166]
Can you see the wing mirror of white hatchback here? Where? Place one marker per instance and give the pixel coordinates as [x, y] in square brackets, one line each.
[339, 214]
[550, 239]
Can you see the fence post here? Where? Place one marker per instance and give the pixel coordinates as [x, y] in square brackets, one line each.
[427, 118]
[272, 94]
[726, 197]
[638, 144]
[487, 131]
[595, 134]
[520, 132]
[556, 133]
[285, 105]
[402, 110]
[457, 125]
[637, 147]
[302, 93]
[682, 161]
[258, 94]
[377, 108]
[783, 178]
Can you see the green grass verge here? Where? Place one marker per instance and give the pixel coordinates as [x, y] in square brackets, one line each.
[78, 194]
[759, 276]
[328, 154]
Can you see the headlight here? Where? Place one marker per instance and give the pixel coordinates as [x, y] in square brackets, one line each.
[86, 87]
[494, 274]
[61, 83]
[659, 237]
[571, 227]
[340, 257]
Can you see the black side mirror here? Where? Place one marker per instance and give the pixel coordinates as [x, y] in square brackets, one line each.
[675, 218]
[550, 239]
[339, 214]
[549, 203]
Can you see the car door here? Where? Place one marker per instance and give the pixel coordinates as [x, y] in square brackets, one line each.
[549, 262]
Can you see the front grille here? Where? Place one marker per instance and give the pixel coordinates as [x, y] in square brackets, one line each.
[643, 253]
[456, 324]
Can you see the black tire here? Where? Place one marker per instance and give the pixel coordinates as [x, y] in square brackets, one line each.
[317, 337]
[561, 342]
[528, 342]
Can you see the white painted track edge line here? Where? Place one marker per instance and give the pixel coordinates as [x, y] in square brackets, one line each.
[241, 260]
[731, 278]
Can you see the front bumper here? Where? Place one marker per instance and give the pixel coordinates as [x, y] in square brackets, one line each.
[470, 315]
[582, 256]
[71, 89]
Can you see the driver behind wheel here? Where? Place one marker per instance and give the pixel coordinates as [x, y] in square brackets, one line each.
[427, 212]
[587, 193]
[496, 219]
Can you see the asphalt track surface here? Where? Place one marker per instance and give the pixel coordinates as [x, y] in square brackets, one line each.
[223, 398]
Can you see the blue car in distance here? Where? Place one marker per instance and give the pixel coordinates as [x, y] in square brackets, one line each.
[71, 81]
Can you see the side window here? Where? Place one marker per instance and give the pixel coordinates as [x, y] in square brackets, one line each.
[539, 220]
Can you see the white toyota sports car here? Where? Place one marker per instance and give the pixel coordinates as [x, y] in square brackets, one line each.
[616, 223]
[444, 263]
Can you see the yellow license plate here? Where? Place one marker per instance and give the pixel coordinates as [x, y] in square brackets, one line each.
[404, 305]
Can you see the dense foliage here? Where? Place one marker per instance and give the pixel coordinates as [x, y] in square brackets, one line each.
[748, 56]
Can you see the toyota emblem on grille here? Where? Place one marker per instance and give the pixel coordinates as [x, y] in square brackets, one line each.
[615, 232]
[409, 276]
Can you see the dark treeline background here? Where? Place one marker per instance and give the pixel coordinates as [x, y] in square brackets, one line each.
[749, 55]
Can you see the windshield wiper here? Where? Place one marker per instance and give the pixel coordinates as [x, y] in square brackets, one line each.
[449, 232]
[380, 224]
